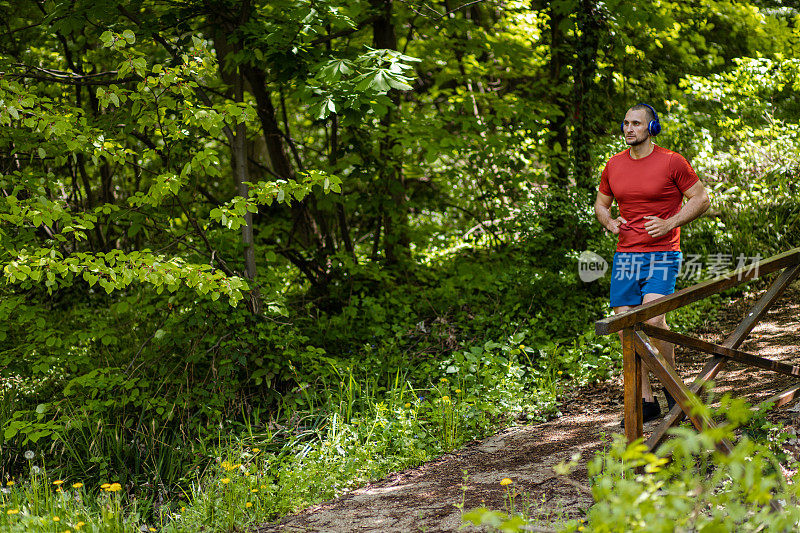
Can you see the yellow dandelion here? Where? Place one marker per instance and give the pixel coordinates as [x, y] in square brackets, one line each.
[114, 487]
[458, 391]
[12, 511]
[9, 483]
[521, 346]
[57, 482]
[408, 405]
[560, 372]
[105, 485]
[56, 519]
[253, 490]
[506, 481]
[225, 481]
[80, 525]
[183, 509]
[77, 485]
[151, 529]
[263, 486]
[445, 399]
[443, 380]
[248, 504]
[256, 450]
[59, 489]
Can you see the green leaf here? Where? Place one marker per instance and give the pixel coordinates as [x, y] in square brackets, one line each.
[380, 82]
[129, 36]
[42, 152]
[397, 82]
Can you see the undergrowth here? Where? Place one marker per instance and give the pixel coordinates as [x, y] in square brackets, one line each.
[389, 369]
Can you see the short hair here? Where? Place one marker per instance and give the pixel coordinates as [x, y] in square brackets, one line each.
[647, 108]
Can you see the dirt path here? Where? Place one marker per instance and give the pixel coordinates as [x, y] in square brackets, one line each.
[426, 498]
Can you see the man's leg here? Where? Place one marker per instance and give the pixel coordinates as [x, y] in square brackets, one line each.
[667, 349]
[647, 390]
[626, 293]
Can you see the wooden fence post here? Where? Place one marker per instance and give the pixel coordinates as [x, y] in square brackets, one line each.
[632, 375]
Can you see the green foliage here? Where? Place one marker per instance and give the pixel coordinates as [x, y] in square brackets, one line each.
[687, 485]
[397, 194]
[698, 489]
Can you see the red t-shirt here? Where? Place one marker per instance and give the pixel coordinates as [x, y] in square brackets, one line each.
[652, 185]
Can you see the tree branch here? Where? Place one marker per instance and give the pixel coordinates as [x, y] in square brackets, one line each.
[61, 76]
[343, 33]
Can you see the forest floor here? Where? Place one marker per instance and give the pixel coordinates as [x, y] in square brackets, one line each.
[430, 497]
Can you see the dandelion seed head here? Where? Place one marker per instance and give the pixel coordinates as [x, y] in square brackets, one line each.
[29, 455]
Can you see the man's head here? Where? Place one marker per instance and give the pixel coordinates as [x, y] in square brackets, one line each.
[636, 125]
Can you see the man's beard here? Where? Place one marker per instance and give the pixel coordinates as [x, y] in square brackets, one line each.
[636, 141]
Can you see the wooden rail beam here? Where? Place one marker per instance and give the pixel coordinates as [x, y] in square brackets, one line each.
[696, 292]
[717, 363]
[730, 353]
[656, 363]
[782, 398]
[763, 304]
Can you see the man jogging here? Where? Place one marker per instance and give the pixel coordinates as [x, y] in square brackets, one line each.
[649, 183]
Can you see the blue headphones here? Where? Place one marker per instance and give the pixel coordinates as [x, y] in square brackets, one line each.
[653, 127]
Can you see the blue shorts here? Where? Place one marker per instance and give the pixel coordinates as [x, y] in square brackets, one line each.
[634, 274]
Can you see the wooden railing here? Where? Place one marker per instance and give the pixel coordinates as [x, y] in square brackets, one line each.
[637, 349]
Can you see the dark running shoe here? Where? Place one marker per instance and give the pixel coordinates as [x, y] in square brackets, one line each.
[670, 400]
[650, 411]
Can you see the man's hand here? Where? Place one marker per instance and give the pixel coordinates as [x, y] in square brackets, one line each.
[657, 227]
[615, 223]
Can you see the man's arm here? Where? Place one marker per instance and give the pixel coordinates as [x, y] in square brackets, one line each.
[602, 210]
[697, 203]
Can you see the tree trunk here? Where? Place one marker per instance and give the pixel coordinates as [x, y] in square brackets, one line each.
[583, 108]
[559, 83]
[395, 234]
[241, 175]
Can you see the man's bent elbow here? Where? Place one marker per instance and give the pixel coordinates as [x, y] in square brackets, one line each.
[706, 203]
